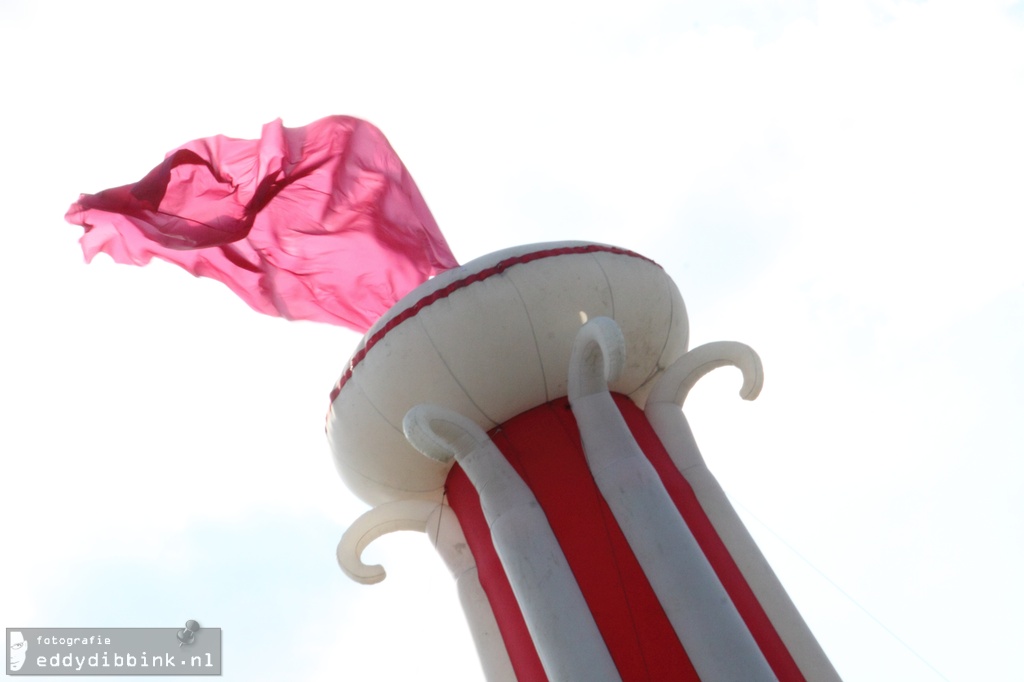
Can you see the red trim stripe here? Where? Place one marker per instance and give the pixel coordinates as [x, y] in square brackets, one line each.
[447, 290]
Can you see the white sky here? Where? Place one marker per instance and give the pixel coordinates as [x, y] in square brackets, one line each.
[837, 184]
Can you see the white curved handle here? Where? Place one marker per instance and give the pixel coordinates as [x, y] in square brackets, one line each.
[387, 518]
[684, 373]
[598, 356]
[442, 434]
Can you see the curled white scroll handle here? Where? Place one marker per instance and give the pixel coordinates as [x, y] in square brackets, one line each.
[684, 373]
[387, 518]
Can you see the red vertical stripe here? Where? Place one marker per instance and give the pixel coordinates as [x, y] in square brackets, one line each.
[544, 446]
[465, 502]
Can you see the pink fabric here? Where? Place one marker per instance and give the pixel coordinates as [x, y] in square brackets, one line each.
[316, 223]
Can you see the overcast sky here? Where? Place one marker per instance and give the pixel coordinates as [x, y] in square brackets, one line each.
[836, 184]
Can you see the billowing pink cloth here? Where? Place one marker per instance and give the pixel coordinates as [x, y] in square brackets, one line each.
[317, 223]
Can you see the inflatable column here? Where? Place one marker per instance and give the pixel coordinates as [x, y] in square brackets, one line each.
[525, 411]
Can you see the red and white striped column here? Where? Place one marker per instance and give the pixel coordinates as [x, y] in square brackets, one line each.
[501, 408]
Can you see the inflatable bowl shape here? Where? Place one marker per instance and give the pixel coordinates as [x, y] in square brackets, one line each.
[490, 340]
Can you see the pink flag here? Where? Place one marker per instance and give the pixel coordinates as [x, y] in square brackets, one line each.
[317, 223]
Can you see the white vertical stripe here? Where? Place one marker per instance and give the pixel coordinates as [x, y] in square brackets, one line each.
[561, 625]
[703, 616]
[664, 413]
[446, 535]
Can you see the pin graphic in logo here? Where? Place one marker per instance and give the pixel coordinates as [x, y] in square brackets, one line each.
[188, 635]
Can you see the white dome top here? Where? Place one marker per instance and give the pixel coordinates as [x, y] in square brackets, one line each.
[491, 339]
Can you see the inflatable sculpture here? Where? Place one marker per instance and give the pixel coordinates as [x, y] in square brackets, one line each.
[523, 409]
